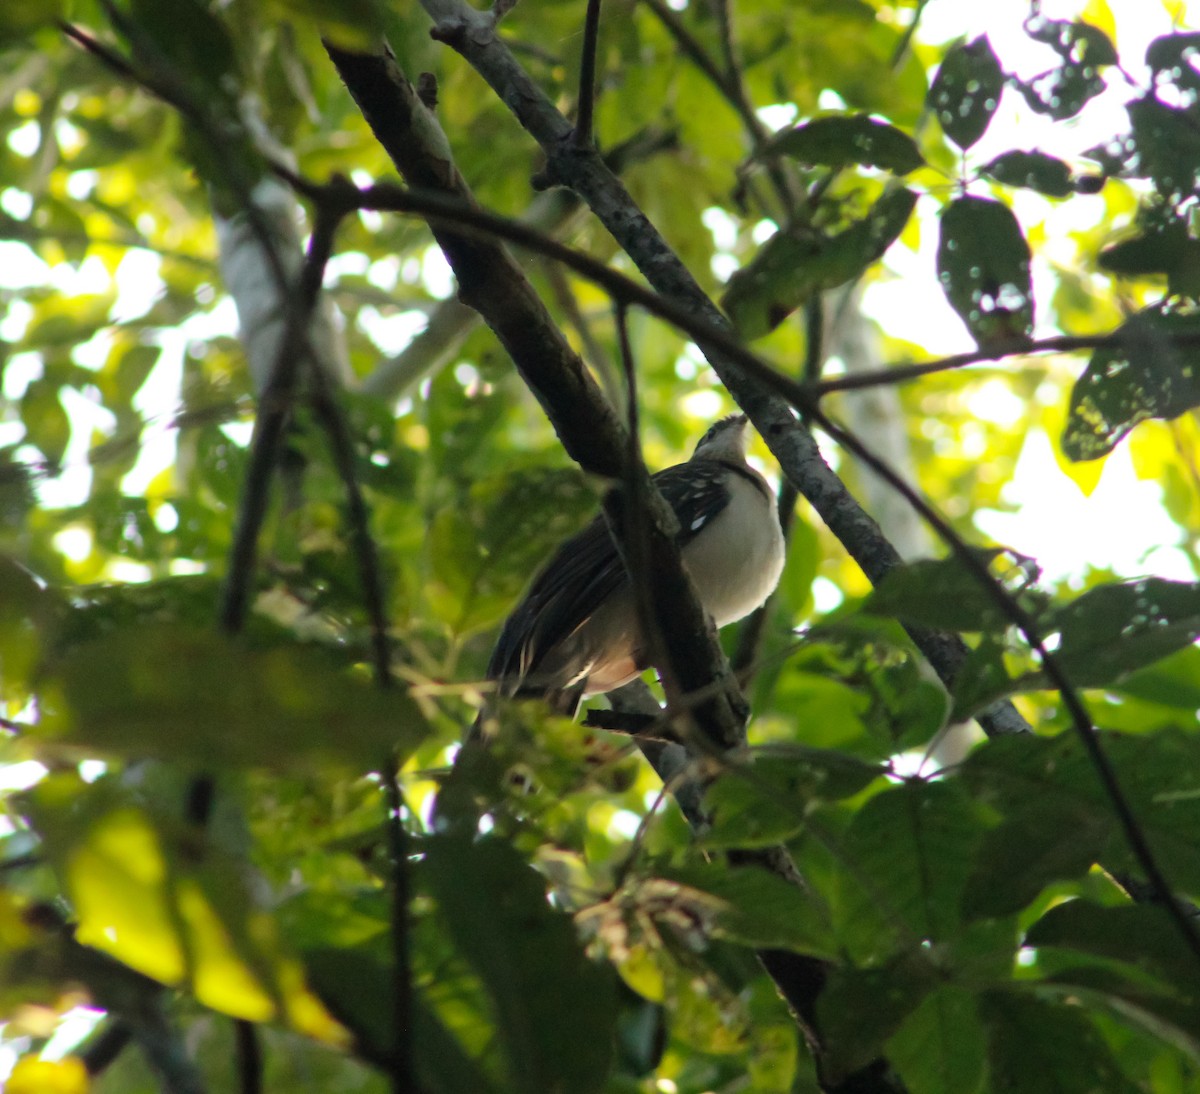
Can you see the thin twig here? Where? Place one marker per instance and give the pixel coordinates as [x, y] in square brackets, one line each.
[249, 1057]
[582, 134]
[402, 1066]
[275, 411]
[995, 351]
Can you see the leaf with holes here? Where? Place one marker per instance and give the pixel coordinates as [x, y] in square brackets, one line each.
[795, 263]
[1168, 146]
[983, 265]
[1150, 372]
[845, 139]
[1064, 91]
[966, 91]
[1032, 171]
[1111, 630]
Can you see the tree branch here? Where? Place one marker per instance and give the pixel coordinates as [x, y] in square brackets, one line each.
[492, 282]
[587, 75]
[473, 36]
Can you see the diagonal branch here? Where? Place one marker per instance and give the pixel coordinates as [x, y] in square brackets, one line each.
[493, 283]
[473, 35]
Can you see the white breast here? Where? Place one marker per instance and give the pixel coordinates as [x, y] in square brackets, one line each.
[736, 561]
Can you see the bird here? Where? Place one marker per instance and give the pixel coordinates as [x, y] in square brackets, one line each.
[575, 632]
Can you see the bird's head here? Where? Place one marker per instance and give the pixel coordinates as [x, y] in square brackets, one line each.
[725, 439]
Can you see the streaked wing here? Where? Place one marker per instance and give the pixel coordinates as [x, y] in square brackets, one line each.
[586, 571]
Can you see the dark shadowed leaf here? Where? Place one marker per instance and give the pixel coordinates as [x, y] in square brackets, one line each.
[1111, 630]
[966, 91]
[765, 802]
[859, 1009]
[1168, 249]
[1168, 145]
[795, 263]
[845, 139]
[983, 265]
[1172, 59]
[200, 697]
[359, 991]
[942, 593]
[906, 855]
[1057, 818]
[1063, 91]
[1142, 935]
[754, 907]
[1037, 1046]
[1033, 171]
[941, 1047]
[1150, 372]
[527, 954]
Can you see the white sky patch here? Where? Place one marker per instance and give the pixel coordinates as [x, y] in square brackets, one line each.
[392, 333]
[436, 274]
[1121, 525]
[138, 284]
[21, 775]
[20, 268]
[25, 138]
[702, 403]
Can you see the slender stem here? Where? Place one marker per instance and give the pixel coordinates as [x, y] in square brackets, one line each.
[582, 134]
[249, 1057]
[403, 1069]
[275, 411]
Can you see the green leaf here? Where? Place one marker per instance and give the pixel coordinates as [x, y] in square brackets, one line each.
[351, 24]
[1168, 145]
[46, 423]
[859, 1009]
[1150, 372]
[145, 890]
[906, 858]
[797, 262]
[1142, 935]
[1063, 91]
[966, 91]
[944, 594]
[20, 18]
[1033, 171]
[1057, 819]
[359, 991]
[766, 801]
[494, 905]
[1174, 681]
[941, 1048]
[841, 140]
[1167, 249]
[1111, 630]
[983, 265]
[484, 548]
[197, 697]
[1128, 997]
[1036, 1046]
[753, 907]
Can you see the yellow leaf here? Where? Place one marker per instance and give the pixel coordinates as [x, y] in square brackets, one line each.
[34, 1076]
[163, 922]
